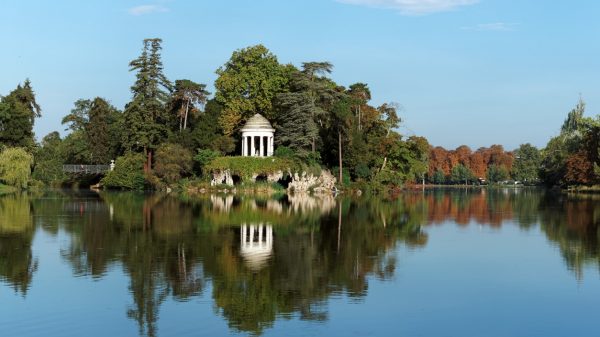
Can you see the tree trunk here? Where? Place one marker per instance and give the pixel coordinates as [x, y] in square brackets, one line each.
[146, 163]
[340, 155]
[149, 163]
[383, 165]
[187, 107]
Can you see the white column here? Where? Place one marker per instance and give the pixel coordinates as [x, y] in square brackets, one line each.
[252, 146]
[243, 145]
[260, 146]
[243, 236]
[260, 234]
[251, 233]
[271, 147]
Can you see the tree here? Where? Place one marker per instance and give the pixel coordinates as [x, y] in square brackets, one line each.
[578, 169]
[527, 163]
[172, 163]
[98, 131]
[95, 132]
[128, 173]
[340, 128]
[438, 177]
[15, 167]
[361, 94]
[497, 173]
[461, 174]
[247, 84]
[18, 111]
[49, 160]
[145, 116]
[188, 96]
[79, 117]
[296, 128]
[574, 122]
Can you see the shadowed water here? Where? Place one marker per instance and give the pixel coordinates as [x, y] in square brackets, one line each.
[439, 263]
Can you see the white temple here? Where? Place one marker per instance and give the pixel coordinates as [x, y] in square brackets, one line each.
[257, 137]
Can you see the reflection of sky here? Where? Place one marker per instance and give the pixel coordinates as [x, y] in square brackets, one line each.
[467, 281]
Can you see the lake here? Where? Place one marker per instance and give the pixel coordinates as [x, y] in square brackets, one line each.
[477, 262]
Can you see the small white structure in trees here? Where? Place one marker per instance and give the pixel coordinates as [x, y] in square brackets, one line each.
[257, 137]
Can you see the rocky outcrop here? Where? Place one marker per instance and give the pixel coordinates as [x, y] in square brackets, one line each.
[300, 182]
[305, 182]
[222, 178]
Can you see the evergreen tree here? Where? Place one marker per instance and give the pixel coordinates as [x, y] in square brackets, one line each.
[146, 116]
[98, 131]
[18, 111]
[304, 109]
[188, 96]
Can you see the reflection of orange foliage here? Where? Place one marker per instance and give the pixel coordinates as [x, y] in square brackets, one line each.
[580, 215]
[464, 209]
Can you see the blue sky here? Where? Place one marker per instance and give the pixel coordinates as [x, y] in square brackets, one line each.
[474, 72]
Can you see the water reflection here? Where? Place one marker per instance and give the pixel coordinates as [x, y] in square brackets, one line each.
[17, 264]
[266, 259]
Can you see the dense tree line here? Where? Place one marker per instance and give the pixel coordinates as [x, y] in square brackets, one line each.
[170, 130]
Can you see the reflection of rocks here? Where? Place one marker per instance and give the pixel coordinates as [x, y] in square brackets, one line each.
[222, 203]
[256, 245]
[274, 206]
[304, 202]
[324, 183]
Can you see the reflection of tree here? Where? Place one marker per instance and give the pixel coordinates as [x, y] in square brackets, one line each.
[483, 206]
[573, 223]
[305, 268]
[17, 264]
[151, 236]
[160, 241]
[171, 248]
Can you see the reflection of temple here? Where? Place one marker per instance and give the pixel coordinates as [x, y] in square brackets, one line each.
[256, 244]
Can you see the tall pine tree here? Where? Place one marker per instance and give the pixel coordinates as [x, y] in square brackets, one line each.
[18, 111]
[146, 115]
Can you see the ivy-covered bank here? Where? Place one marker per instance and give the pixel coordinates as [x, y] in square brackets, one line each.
[249, 168]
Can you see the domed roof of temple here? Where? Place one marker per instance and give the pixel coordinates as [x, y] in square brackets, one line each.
[257, 122]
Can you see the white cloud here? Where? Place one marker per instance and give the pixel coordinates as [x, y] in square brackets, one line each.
[147, 9]
[495, 26]
[413, 7]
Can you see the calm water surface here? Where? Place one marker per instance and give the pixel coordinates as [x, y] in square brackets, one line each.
[439, 263]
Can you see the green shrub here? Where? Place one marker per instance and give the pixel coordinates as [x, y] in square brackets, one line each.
[284, 152]
[203, 157]
[128, 173]
[15, 167]
[172, 162]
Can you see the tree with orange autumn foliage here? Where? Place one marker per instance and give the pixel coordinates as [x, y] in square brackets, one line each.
[442, 161]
